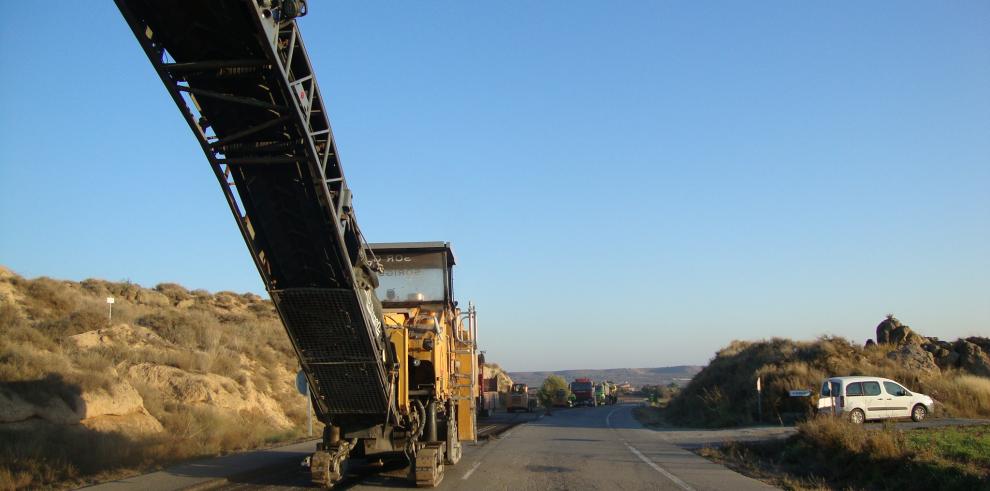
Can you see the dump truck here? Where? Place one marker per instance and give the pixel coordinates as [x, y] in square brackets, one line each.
[520, 399]
[601, 393]
[563, 398]
[584, 392]
[389, 355]
[606, 393]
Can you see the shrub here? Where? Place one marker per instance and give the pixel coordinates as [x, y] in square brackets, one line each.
[46, 297]
[176, 293]
[549, 389]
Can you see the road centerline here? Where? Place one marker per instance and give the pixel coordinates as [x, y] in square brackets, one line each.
[635, 451]
[471, 470]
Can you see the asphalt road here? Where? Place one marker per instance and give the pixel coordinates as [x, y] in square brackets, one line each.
[582, 448]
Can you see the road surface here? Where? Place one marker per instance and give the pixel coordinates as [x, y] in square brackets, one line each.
[601, 448]
[580, 448]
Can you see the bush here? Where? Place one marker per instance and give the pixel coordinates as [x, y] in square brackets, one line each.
[549, 388]
[833, 453]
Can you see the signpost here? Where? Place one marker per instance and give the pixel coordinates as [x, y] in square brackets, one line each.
[759, 399]
[302, 385]
[110, 304]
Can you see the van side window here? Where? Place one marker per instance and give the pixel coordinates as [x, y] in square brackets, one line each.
[825, 391]
[871, 388]
[855, 389]
[895, 390]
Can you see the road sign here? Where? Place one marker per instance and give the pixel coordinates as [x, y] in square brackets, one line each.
[800, 393]
[109, 299]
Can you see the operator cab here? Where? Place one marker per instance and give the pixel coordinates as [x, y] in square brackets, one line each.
[415, 273]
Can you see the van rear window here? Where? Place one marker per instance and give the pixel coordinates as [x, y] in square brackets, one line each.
[854, 389]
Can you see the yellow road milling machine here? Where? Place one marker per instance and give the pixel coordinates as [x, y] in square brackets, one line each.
[389, 356]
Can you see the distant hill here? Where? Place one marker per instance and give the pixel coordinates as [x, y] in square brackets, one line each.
[637, 377]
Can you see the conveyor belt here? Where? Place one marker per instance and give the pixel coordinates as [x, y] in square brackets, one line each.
[240, 74]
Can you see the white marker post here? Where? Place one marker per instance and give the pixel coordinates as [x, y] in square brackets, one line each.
[302, 385]
[759, 399]
[110, 304]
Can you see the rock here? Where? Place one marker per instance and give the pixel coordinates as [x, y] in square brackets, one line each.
[120, 401]
[983, 343]
[891, 331]
[914, 357]
[124, 335]
[885, 327]
[209, 389]
[14, 408]
[972, 358]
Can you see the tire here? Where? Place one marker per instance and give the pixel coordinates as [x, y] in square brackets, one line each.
[857, 416]
[919, 413]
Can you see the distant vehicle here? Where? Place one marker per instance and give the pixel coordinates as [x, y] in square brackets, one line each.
[870, 398]
[606, 393]
[584, 392]
[520, 400]
[562, 399]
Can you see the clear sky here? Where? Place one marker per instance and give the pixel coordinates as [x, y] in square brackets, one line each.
[625, 184]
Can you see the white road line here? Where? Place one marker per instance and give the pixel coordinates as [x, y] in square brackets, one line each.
[608, 417]
[471, 470]
[683, 485]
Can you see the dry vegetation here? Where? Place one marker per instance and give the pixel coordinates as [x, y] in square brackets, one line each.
[723, 393]
[831, 453]
[180, 374]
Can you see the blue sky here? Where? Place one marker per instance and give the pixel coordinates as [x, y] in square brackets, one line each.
[631, 184]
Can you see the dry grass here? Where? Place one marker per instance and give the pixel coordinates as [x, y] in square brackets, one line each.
[831, 453]
[203, 333]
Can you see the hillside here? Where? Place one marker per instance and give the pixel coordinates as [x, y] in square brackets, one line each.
[637, 377]
[955, 374]
[177, 374]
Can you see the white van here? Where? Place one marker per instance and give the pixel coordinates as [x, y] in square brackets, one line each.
[865, 398]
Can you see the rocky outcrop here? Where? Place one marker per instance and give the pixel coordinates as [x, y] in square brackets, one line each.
[209, 389]
[891, 331]
[931, 354]
[117, 409]
[972, 357]
[915, 357]
[121, 335]
[16, 407]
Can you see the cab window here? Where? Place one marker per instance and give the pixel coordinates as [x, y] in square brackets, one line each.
[871, 388]
[854, 389]
[825, 391]
[895, 390]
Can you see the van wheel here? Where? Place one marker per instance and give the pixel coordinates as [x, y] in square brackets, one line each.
[919, 413]
[857, 417]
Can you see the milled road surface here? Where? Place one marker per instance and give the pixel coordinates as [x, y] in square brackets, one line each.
[582, 448]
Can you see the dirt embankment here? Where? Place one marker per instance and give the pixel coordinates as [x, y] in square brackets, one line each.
[723, 394]
[177, 374]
